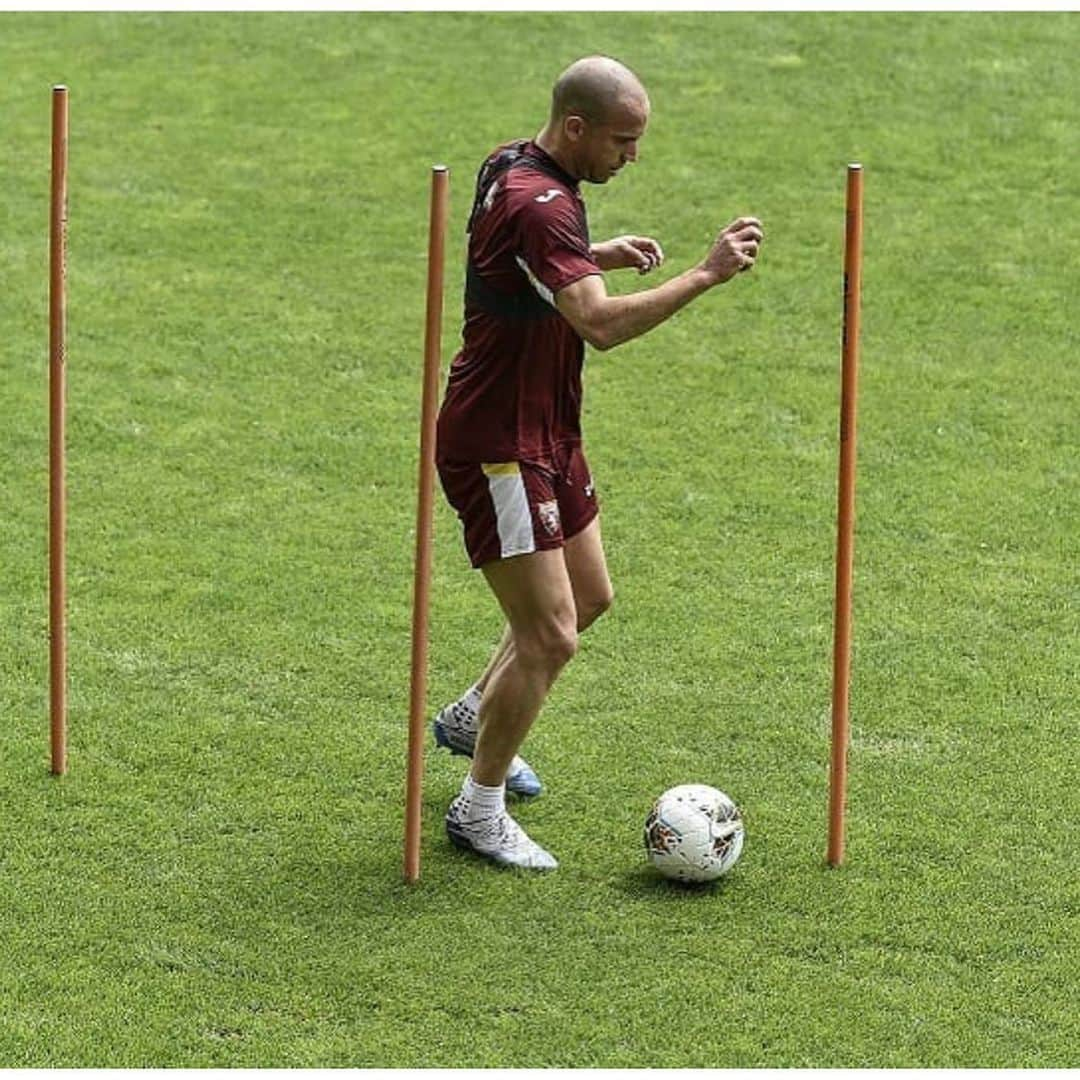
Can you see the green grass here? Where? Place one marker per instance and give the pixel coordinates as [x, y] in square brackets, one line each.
[217, 880]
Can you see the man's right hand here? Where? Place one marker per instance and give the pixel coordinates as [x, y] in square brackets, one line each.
[735, 249]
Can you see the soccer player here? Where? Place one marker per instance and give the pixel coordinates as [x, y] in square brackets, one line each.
[509, 449]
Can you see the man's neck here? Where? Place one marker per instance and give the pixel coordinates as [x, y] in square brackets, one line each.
[550, 145]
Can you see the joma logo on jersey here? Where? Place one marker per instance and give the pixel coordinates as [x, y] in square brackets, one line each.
[548, 195]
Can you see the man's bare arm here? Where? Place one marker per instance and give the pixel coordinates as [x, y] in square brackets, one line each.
[606, 321]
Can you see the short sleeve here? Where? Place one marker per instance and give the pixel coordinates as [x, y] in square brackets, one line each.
[554, 242]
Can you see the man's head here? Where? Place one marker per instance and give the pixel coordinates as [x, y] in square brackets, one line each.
[599, 111]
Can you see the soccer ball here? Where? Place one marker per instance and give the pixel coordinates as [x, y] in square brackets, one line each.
[693, 833]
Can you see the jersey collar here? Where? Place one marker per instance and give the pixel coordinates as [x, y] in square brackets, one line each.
[533, 150]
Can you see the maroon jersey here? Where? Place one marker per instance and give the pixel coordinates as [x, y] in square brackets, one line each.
[514, 392]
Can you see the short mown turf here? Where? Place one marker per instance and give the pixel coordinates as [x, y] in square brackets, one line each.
[218, 879]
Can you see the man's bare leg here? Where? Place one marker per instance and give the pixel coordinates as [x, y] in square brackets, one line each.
[537, 597]
[546, 597]
[456, 726]
[458, 723]
[506, 643]
[587, 567]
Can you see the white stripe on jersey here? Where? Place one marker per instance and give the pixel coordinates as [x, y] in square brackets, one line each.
[537, 284]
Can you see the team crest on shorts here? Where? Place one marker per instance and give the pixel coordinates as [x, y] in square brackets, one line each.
[548, 513]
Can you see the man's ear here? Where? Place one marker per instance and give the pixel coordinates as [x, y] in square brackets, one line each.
[574, 127]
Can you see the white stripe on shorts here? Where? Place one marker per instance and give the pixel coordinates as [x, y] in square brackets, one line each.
[512, 515]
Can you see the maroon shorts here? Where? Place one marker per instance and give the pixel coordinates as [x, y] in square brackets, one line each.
[516, 507]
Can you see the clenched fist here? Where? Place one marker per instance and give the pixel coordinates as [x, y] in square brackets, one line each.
[735, 249]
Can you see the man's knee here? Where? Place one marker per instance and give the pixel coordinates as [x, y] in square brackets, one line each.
[549, 645]
[591, 607]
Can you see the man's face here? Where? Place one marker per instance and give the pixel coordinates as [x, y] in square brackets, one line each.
[603, 148]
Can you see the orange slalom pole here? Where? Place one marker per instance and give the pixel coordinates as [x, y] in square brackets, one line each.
[845, 519]
[440, 201]
[57, 379]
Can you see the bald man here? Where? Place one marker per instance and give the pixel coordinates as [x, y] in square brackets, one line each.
[509, 446]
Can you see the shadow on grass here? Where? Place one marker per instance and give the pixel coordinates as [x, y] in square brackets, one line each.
[645, 883]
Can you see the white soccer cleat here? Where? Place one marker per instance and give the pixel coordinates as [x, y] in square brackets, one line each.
[499, 839]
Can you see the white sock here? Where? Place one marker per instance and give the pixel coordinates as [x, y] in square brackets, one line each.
[479, 802]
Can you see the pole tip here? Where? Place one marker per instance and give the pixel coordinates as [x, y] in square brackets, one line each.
[59, 88]
[854, 167]
[439, 168]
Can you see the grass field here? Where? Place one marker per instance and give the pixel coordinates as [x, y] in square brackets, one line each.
[218, 879]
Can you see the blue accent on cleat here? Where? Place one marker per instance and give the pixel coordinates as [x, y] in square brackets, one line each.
[523, 781]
